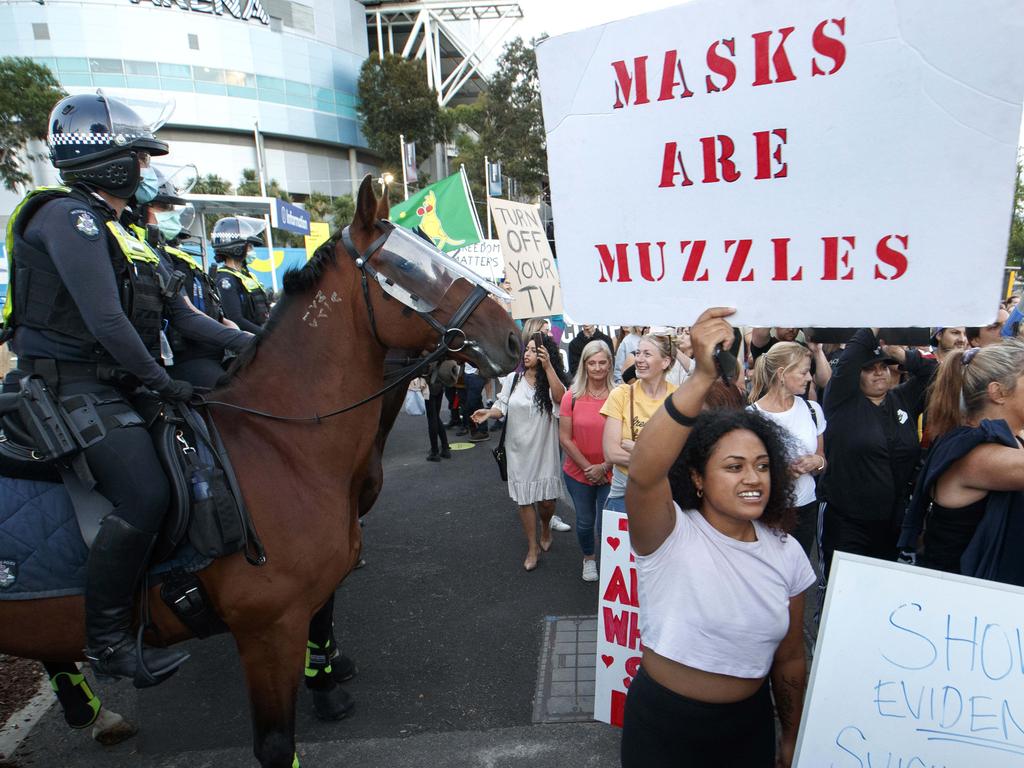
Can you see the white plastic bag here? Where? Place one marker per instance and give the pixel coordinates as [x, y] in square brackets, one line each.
[414, 403]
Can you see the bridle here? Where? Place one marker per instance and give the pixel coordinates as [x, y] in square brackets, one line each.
[448, 334]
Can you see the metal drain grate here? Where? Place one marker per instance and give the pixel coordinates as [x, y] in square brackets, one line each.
[566, 672]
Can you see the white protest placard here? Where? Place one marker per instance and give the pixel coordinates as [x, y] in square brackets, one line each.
[618, 617]
[529, 264]
[915, 667]
[838, 163]
[484, 258]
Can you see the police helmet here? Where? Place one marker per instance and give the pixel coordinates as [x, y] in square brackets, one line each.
[167, 193]
[96, 139]
[233, 235]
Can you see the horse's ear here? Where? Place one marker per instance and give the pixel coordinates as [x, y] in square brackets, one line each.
[384, 204]
[366, 205]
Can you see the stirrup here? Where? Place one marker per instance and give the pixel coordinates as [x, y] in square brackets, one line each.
[146, 678]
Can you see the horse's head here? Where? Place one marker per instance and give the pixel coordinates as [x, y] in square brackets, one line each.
[408, 276]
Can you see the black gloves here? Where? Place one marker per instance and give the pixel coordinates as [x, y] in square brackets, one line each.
[177, 391]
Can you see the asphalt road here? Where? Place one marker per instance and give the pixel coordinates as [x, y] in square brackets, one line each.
[444, 625]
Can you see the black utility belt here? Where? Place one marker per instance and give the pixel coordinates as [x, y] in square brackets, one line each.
[56, 371]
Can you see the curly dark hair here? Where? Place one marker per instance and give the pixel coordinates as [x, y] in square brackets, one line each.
[711, 427]
[542, 390]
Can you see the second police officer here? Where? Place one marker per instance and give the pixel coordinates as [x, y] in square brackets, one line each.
[244, 300]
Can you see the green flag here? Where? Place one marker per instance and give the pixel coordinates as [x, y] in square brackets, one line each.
[444, 212]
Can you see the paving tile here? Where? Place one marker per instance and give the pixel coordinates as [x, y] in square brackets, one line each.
[565, 670]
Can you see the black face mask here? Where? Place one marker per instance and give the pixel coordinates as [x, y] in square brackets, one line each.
[117, 176]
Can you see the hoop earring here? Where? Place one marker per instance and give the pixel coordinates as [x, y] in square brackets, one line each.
[700, 493]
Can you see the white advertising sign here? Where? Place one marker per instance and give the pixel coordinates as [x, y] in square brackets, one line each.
[529, 263]
[484, 258]
[834, 163]
[618, 617]
[915, 667]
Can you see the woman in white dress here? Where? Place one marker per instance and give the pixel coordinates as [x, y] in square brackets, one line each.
[531, 439]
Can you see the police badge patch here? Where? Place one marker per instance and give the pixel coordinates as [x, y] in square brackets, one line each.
[85, 223]
[8, 573]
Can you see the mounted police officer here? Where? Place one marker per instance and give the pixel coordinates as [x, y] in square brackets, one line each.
[84, 311]
[161, 222]
[244, 300]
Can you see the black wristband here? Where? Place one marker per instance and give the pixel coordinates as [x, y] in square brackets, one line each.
[678, 416]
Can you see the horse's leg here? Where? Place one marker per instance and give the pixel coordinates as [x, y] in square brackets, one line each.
[272, 657]
[330, 700]
[82, 707]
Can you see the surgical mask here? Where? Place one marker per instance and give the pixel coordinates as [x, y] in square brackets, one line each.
[169, 223]
[148, 187]
[250, 257]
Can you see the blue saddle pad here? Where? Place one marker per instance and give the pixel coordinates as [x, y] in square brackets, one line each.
[41, 549]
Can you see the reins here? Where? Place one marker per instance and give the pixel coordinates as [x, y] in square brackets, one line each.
[450, 335]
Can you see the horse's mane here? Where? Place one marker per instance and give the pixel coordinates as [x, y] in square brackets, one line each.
[296, 281]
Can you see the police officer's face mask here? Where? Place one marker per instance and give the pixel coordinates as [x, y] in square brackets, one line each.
[149, 185]
[169, 223]
[249, 257]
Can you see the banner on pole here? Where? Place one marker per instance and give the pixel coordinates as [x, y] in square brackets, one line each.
[410, 162]
[618, 617]
[809, 164]
[494, 179]
[529, 265]
[444, 212]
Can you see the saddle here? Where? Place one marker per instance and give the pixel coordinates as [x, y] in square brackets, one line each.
[42, 439]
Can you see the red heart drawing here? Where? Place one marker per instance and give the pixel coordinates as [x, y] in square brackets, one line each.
[626, 681]
[614, 542]
[607, 659]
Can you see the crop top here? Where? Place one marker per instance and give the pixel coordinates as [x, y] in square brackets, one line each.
[717, 604]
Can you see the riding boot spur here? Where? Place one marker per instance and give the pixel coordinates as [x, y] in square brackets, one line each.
[117, 562]
[325, 669]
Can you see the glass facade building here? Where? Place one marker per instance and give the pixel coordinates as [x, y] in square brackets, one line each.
[290, 65]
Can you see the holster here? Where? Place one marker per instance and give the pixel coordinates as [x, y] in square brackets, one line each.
[43, 419]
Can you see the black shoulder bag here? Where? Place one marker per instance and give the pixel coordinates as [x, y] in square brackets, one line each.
[499, 452]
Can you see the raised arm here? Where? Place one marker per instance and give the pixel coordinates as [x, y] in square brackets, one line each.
[648, 496]
[845, 381]
[921, 372]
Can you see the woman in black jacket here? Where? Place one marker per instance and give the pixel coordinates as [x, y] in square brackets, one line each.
[872, 447]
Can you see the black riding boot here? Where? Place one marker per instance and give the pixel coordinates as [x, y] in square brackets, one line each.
[117, 561]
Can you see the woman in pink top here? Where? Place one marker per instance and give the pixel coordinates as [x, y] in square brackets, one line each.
[580, 430]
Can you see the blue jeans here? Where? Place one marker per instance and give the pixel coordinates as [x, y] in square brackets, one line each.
[589, 501]
[474, 401]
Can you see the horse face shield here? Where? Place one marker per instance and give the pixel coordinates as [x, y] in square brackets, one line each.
[413, 271]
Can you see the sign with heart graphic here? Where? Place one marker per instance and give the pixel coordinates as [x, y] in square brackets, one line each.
[618, 621]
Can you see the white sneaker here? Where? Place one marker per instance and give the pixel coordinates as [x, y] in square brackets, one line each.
[558, 524]
[590, 570]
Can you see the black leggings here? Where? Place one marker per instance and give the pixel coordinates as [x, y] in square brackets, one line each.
[662, 729]
[435, 429]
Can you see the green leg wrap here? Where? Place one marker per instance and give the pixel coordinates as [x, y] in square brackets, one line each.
[318, 660]
[295, 762]
[80, 705]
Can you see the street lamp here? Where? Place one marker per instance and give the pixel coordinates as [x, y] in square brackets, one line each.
[385, 179]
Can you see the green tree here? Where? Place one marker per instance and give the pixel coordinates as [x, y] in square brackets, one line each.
[1015, 252]
[506, 123]
[29, 93]
[394, 99]
[318, 205]
[212, 184]
[250, 186]
[343, 210]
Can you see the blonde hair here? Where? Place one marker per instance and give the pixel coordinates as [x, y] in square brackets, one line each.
[783, 356]
[961, 387]
[582, 379]
[532, 326]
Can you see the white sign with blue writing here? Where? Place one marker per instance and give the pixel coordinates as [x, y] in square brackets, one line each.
[915, 668]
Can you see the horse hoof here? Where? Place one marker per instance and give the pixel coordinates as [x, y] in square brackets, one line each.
[334, 704]
[110, 728]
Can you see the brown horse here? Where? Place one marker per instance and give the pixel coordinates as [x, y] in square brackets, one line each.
[302, 481]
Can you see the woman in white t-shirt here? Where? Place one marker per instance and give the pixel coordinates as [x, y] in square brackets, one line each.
[781, 377]
[721, 585]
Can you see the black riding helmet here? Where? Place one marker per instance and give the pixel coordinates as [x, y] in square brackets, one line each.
[97, 139]
[233, 235]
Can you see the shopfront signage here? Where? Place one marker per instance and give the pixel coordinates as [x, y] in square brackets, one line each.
[239, 9]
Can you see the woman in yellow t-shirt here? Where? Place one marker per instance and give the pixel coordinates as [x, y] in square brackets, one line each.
[629, 407]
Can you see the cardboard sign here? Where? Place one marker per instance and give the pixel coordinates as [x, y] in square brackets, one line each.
[834, 164]
[529, 264]
[484, 258]
[618, 617]
[915, 667]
